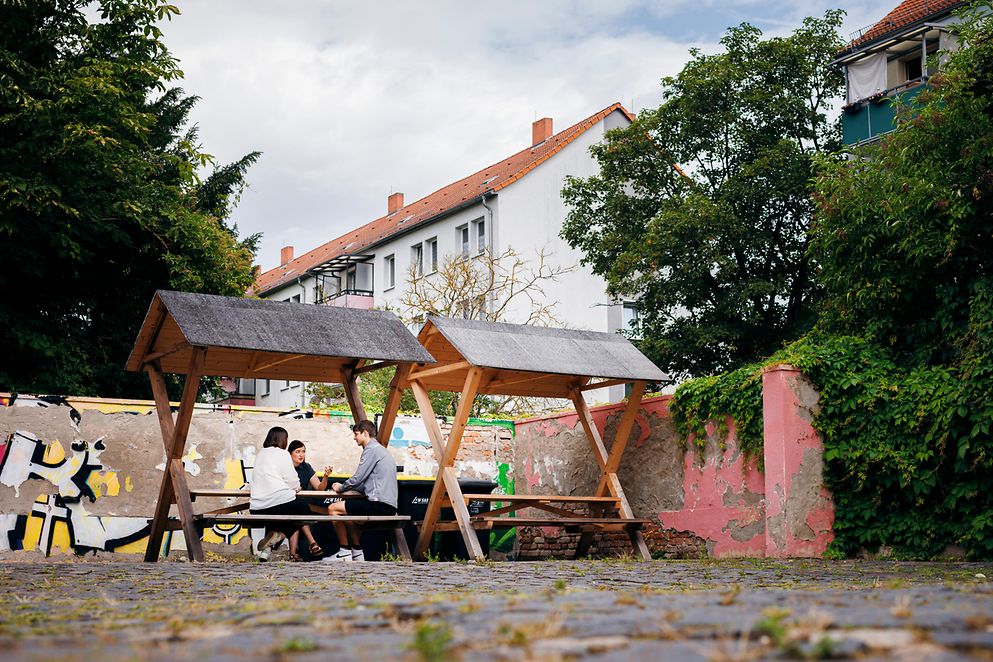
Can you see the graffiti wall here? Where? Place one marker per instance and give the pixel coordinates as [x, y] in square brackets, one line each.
[82, 474]
[707, 498]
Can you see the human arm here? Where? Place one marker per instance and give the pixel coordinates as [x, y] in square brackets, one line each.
[367, 463]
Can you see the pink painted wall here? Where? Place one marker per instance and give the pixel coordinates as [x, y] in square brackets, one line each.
[708, 489]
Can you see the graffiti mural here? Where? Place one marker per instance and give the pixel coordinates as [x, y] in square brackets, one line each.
[55, 481]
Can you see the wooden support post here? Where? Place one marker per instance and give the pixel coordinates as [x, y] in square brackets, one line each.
[392, 403]
[166, 494]
[610, 462]
[352, 394]
[175, 445]
[447, 482]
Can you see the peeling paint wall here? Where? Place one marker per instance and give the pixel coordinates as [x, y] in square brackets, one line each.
[707, 498]
[83, 474]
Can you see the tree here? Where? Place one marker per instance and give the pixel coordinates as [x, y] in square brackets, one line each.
[702, 206]
[486, 287]
[101, 202]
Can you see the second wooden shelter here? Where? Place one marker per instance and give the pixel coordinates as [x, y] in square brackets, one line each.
[492, 358]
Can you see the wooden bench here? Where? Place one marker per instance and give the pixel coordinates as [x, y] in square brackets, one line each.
[234, 514]
[567, 519]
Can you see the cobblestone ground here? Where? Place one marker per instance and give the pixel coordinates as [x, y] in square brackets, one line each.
[596, 610]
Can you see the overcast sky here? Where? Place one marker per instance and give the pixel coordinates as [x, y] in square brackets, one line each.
[350, 101]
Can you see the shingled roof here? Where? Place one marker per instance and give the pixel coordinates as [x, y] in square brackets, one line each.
[269, 339]
[520, 348]
[906, 14]
[465, 191]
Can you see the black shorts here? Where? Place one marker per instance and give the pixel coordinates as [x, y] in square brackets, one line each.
[367, 508]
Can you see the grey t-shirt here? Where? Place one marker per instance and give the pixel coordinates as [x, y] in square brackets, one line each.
[376, 475]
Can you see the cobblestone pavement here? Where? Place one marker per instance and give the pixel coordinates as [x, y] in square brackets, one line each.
[596, 610]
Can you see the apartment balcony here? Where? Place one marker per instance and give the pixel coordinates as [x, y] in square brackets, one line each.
[349, 299]
[864, 121]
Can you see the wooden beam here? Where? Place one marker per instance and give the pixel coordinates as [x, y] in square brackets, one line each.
[462, 413]
[604, 384]
[352, 394]
[438, 444]
[166, 493]
[275, 362]
[439, 370]
[430, 420]
[155, 356]
[392, 406]
[625, 426]
[589, 427]
[372, 366]
[496, 383]
[174, 456]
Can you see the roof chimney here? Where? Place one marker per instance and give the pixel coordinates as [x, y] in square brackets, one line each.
[285, 255]
[541, 130]
[394, 202]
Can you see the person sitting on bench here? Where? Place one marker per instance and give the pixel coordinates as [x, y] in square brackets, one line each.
[308, 481]
[274, 490]
[376, 478]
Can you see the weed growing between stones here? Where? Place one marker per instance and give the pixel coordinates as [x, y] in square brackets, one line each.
[432, 641]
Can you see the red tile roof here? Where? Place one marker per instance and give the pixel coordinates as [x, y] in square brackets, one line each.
[493, 178]
[906, 13]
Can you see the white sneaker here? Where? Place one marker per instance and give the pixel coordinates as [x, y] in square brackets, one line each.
[358, 555]
[265, 554]
[343, 555]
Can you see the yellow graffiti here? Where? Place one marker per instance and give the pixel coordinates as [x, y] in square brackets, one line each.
[234, 475]
[192, 455]
[210, 536]
[98, 480]
[128, 485]
[54, 453]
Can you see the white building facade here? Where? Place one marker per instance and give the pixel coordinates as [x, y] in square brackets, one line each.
[514, 204]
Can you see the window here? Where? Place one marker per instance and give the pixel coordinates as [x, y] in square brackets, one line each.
[417, 259]
[432, 245]
[265, 387]
[350, 280]
[462, 239]
[480, 236]
[389, 272]
[913, 69]
[630, 319]
[293, 299]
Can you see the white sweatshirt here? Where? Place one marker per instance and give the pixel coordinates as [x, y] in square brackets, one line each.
[274, 480]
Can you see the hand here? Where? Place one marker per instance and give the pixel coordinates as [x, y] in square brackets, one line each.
[327, 472]
[336, 487]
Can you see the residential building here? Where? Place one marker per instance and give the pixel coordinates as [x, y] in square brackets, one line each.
[514, 203]
[889, 63]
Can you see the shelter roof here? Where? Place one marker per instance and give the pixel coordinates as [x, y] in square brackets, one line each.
[443, 201]
[531, 360]
[269, 339]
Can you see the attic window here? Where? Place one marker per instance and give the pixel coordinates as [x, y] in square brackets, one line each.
[487, 181]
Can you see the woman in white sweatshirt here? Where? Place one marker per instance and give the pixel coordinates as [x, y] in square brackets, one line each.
[274, 490]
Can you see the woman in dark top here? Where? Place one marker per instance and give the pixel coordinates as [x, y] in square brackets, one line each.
[308, 481]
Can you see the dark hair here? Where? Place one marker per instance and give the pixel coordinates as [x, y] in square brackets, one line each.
[365, 426]
[277, 437]
[295, 444]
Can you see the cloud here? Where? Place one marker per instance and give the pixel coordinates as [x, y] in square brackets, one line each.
[350, 101]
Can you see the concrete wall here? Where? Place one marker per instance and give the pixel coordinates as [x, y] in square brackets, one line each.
[707, 498]
[83, 474]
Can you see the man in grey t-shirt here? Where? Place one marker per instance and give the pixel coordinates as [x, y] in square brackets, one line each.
[376, 478]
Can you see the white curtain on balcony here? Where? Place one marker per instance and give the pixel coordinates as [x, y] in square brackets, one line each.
[947, 43]
[866, 77]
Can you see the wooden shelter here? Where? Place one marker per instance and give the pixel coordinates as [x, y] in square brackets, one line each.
[201, 335]
[492, 358]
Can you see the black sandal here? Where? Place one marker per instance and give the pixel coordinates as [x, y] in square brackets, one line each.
[315, 549]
